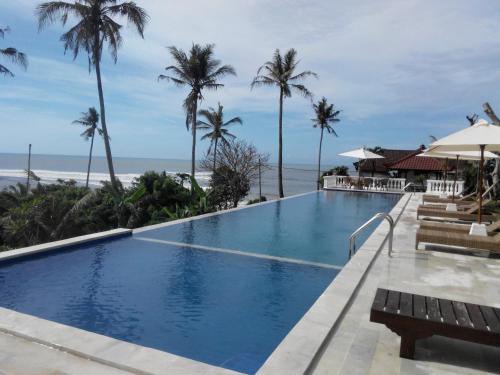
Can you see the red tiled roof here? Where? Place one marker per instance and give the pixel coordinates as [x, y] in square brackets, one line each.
[390, 157]
[417, 163]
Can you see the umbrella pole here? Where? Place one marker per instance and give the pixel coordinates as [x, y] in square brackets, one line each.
[480, 186]
[359, 174]
[455, 181]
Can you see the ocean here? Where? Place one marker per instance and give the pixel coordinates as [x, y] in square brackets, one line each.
[298, 178]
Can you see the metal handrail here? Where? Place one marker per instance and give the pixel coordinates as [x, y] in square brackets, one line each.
[408, 185]
[352, 238]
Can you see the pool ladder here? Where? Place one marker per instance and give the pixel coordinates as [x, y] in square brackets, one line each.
[352, 238]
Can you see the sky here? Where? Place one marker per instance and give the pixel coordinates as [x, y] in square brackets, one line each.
[399, 71]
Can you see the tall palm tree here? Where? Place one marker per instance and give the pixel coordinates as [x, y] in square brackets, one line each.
[90, 120]
[12, 54]
[280, 72]
[95, 28]
[216, 127]
[197, 70]
[326, 116]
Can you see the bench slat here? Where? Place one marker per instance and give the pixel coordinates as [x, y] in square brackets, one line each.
[406, 304]
[419, 310]
[447, 312]
[476, 316]
[433, 309]
[392, 301]
[380, 299]
[461, 314]
[491, 318]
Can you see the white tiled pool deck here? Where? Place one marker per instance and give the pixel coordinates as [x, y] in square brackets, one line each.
[358, 346]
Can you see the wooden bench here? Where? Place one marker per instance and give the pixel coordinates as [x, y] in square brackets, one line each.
[414, 317]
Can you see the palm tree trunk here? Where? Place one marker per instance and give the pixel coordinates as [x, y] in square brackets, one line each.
[107, 146]
[319, 159]
[90, 158]
[193, 149]
[215, 154]
[280, 147]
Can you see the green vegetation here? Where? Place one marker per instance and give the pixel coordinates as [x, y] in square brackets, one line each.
[236, 168]
[280, 72]
[216, 128]
[199, 71]
[94, 29]
[57, 211]
[90, 120]
[325, 116]
[11, 54]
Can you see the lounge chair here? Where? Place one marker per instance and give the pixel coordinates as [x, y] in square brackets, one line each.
[458, 228]
[415, 317]
[430, 198]
[465, 214]
[490, 242]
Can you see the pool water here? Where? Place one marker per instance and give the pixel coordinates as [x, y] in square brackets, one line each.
[226, 309]
[313, 227]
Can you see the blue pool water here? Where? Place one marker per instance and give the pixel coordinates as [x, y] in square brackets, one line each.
[313, 227]
[228, 310]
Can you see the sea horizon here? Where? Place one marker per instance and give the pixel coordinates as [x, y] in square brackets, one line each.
[298, 177]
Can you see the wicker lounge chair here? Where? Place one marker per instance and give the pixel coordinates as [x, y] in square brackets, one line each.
[431, 198]
[465, 214]
[490, 242]
[414, 317]
[458, 228]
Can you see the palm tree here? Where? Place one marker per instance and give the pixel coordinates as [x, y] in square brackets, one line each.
[90, 120]
[199, 70]
[216, 128]
[280, 72]
[11, 54]
[94, 29]
[326, 115]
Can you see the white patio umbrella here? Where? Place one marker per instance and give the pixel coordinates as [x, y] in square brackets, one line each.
[361, 154]
[479, 137]
[459, 155]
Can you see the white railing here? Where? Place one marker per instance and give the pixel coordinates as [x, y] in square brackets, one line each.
[444, 187]
[366, 183]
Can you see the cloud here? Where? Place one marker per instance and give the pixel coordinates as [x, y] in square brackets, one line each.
[392, 66]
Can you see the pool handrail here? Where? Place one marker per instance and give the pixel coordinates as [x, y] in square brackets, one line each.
[352, 238]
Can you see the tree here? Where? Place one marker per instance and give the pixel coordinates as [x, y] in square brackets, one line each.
[90, 120]
[216, 128]
[326, 116]
[94, 29]
[12, 54]
[237, 167]
[280, 72]
[198, 71]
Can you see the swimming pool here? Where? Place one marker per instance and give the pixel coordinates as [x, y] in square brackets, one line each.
[224, 290]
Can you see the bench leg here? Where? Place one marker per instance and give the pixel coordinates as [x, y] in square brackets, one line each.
[407, 348]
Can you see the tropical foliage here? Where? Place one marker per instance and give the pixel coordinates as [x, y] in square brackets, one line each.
[57, 211]
[198, 70]
[11, 54]
[95, 28]
[90, 120]
[325, 117]
[216, 128]
[281, 72]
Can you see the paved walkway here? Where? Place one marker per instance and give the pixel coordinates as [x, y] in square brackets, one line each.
[361, 347]
[23, 357]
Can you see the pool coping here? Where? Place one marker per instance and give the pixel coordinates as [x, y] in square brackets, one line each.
[301, 348]
[294, 355]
